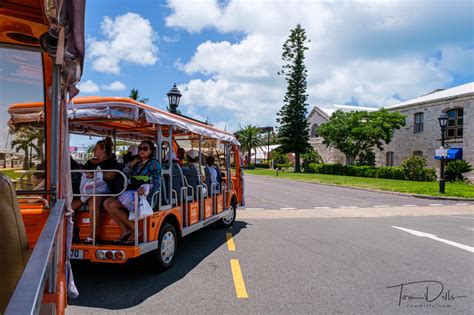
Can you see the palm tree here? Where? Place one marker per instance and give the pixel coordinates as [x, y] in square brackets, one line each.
[135, 95]
[24, 141]
[249, 137]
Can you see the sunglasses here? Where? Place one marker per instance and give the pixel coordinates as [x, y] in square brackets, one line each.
[143, 148]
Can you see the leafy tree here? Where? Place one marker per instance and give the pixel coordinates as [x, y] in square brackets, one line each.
[135, 95]
[294, 129]
[356, 134]
[249, 138]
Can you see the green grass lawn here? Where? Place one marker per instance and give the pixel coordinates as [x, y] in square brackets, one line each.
[404, 186]
[11, 173]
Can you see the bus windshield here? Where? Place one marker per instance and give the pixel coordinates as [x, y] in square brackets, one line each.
[22, 147]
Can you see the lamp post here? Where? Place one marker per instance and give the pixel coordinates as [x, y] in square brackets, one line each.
[174, 95]
[443, 121]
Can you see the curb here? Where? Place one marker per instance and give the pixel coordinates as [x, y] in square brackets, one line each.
[378, 190]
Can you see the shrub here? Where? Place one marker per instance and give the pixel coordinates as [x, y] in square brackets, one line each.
[366, 158]
[310, 157]
[313, 168]
[279, 157]
[262, 166]
[249, 167]
[390, 172]
[283, 165]
[456, 168]
[413, 167]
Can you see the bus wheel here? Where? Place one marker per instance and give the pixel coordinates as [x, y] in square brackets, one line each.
[167, 244]
[229, 219]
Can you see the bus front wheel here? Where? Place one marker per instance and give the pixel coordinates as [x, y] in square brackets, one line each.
[164, 256]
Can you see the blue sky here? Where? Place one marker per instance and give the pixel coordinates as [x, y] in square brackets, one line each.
[224, 55]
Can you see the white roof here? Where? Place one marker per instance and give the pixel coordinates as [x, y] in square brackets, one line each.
[262, 151]
[329, 109]
[456, 91]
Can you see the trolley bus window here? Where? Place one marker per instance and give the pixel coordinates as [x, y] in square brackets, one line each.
[22, 146]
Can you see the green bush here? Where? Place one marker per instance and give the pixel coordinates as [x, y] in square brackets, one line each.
[456, 168]
[424, 174]
[283, 165]
[413, 167]
[262, 166]
[279, 157]
[309, 158]
[390, 172]
[249, 167]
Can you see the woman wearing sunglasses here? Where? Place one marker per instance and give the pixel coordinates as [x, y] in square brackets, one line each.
[144, 175]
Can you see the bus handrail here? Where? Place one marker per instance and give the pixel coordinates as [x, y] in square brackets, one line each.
[41, 267]
[94, 195]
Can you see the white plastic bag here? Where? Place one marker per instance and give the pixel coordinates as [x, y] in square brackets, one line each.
[87, 185]
[144, 209]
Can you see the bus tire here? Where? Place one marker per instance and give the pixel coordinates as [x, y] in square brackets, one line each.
[229, 220]
[164, 256]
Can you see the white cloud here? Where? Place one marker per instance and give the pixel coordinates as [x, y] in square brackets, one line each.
[128, 38]
[114, 86]
[370, 52]
[88, 87]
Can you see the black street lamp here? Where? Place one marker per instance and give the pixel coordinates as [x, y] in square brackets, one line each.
[174, 95]
[443, 121]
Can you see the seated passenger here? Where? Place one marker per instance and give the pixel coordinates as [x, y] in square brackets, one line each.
[132, 154]
[193, 159]
[143, 173]
[105, 159]
[181, 153]
[214, 172]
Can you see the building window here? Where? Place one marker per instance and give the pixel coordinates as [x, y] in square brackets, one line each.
[418, 122]
[418, 153]
[390, 159]
[314, 131]
[455, 123]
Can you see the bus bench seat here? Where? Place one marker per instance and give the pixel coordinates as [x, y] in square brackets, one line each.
[14, 245]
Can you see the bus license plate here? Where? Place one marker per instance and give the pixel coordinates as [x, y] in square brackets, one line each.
[76, 254]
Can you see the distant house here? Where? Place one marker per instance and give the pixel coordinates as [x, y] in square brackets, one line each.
[421, 134]
[262, 151]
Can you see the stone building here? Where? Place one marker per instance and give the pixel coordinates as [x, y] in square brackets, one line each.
[421, 135]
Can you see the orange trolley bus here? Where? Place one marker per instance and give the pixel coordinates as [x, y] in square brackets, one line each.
[41, 57]
[185, 202]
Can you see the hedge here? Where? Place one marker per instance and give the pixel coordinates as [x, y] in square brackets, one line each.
[392, 172]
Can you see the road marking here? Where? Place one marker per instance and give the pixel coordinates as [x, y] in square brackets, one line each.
[239, 283]
[436, 204]
[287, 208]
[381, 206]
[254, 209]
[461, 204]
[460, 217]
[322, 207]
[230, 242]
[409, 206]
[434, 237]
[348, 207]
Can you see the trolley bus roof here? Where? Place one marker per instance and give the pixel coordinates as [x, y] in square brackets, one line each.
[131, 119]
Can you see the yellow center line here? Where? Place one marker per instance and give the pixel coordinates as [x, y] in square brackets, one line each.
[230, 242]
[239, 284]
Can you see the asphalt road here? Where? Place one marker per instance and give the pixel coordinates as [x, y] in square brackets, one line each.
[273, 193]
[322, 260]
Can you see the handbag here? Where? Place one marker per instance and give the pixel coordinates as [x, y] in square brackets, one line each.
[134, 182]
[144, 209]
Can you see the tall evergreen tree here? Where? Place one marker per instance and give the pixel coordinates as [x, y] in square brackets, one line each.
[294, 129]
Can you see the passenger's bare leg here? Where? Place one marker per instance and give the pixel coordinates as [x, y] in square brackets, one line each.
[112, 206]
[95, 207]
